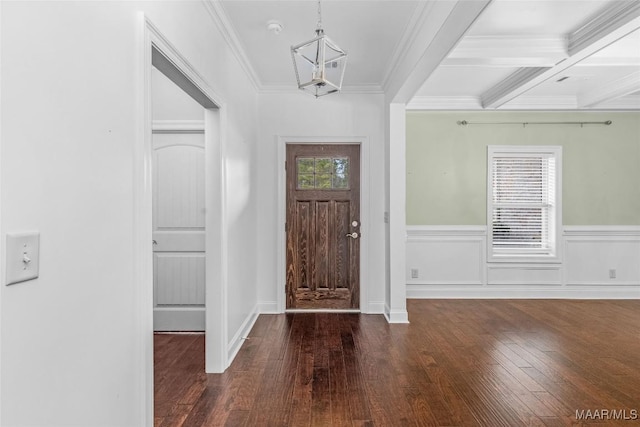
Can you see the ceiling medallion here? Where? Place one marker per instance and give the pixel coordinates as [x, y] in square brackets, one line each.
[319, 63]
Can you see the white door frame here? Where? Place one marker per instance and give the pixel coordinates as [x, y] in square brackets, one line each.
[215, 224]
[365, 219]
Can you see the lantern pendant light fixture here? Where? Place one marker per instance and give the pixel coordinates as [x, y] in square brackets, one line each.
[319, 63]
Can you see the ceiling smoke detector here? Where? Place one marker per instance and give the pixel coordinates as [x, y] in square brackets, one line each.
[275, 27]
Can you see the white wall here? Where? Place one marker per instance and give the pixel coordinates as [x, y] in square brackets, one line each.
[298, 114]
[71, 352]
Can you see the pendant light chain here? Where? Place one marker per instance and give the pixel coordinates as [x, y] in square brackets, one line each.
[319, 25]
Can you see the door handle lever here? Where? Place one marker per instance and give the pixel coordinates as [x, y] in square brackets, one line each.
[353, 235]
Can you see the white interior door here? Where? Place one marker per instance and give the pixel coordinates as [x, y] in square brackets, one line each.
[178, 232]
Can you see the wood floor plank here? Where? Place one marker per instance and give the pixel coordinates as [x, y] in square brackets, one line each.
[458, 363]
[354, 380]
[303, 384]
[340, 413]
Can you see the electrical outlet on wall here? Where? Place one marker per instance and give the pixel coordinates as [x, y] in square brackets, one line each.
[612, 273]
[415, 273]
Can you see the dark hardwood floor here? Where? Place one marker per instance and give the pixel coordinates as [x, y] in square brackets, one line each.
[458, 363]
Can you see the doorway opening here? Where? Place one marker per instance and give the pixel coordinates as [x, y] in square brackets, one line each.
[156, 52]
[178, 155]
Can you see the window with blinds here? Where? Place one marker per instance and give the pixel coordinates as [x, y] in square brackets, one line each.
[523, 200]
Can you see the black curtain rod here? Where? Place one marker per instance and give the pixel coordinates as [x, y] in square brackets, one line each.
[465, 123]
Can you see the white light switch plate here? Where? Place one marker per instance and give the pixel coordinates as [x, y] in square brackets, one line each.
[23, 256]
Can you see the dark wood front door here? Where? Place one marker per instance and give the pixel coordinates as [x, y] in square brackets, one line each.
[323, 226]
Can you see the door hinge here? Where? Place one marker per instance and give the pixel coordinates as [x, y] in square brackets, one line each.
[285, 165]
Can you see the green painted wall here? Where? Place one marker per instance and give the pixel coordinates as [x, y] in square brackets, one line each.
[447, 164]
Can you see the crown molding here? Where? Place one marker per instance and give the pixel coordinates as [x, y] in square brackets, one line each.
[410, 34]
[620, 15]
[542, 103]
[523, 103]
[226, 28]
[508, 51]
[625, 103]
[365, 89]
[444, 103]
[473, 103]
[611, 91]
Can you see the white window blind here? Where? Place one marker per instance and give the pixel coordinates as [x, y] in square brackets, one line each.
[523, 202]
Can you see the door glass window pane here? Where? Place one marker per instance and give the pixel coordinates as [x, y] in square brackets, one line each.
[322, 173]
[305, 165]
[306, 181]
[323, 165]
[323, 181]
[340, 172]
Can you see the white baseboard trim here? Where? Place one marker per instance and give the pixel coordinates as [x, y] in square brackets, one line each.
[271, 307]
[395, 316]
[322, 310]
[175, 319]
[376, 308]
[522, 292]
[268, 307]
[238, 339]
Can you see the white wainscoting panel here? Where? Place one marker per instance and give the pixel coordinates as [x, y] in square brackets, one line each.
[594, 254]
[446, 255]
[451, 263]
[524, 274]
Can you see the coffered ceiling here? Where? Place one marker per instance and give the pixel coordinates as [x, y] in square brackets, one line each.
[518, 54]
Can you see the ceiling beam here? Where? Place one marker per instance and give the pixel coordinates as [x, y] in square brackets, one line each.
[512, 86]
[440, 27]
[614, 23]
[621, 18]
[616, 89]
